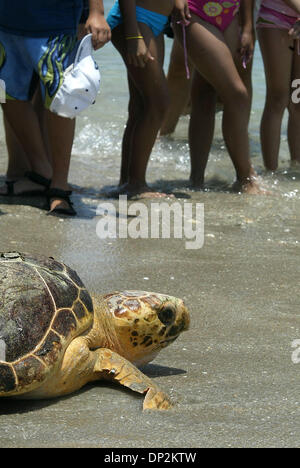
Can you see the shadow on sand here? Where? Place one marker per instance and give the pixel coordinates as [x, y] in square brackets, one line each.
[16, 406]
[84, 210]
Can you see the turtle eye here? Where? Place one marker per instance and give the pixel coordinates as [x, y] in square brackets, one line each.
[167, 315]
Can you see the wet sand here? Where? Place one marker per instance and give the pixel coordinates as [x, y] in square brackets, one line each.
[230, 376]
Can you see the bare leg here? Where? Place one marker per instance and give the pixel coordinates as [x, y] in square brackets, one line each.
[18, 163]
[135, 112]
[24, 129]
[179, 89]
[17, 160]
[246, 76]
[39, 108]
[201, 128]
[25, 124]
[294, 118]
[278, 60]
[147, 107]
[61, 136]
[212, 57]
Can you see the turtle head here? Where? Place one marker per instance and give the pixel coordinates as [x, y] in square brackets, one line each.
[146, 322]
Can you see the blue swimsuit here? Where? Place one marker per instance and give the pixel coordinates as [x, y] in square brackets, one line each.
[155, 21]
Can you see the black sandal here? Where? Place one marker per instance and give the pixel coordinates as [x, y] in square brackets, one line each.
[10, 188]
[59, 194]
[33, 177]
[38, 179]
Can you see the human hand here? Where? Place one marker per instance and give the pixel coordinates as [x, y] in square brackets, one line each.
[295, 31]
[101, 33]
[137, 52]
[247, 47]
[181, 12]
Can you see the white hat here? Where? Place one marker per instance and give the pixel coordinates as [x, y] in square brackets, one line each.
[80, 84]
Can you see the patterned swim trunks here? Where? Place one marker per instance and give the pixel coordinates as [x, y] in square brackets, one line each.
[26, 61]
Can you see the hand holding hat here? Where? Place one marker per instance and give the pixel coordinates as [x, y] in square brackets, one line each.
[81, 83]
[97, 26]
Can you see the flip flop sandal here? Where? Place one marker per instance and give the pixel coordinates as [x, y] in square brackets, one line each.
[59, 194]
[33, 177]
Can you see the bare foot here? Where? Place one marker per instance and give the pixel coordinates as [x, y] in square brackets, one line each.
[59, 202]
[249, 186]
[148, 195]
[140, 191]
[61, 208]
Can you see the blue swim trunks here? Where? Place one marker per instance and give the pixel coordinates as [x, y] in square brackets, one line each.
[26, 61]
[155, 21]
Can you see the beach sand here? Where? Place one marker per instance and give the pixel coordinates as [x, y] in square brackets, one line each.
[231, 376]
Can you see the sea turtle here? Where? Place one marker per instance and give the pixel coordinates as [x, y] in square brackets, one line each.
[54, 338]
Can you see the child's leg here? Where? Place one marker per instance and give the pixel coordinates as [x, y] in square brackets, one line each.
[24, 122]
[61, 135]
[148, 105]
[179, 87]
[17, 160]
[213, 59]
[246, 76]
[201, 127]
[24, 129]
[238, 143]
[38, 104]
[294, 117]
[135, 112]
[278, 59]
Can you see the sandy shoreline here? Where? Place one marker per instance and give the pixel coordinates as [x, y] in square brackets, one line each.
[231, 375]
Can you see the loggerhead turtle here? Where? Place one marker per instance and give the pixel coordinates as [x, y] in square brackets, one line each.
[54, 338]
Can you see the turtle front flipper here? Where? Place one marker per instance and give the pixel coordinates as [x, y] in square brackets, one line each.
[118, 369]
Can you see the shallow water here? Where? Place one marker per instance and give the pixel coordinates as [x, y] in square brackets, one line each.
[231, 375]
[99, 134]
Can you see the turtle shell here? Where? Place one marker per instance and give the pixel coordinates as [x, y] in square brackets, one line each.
[43, 306]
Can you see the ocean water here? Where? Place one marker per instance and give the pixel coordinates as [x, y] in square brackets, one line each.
[100, 130]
